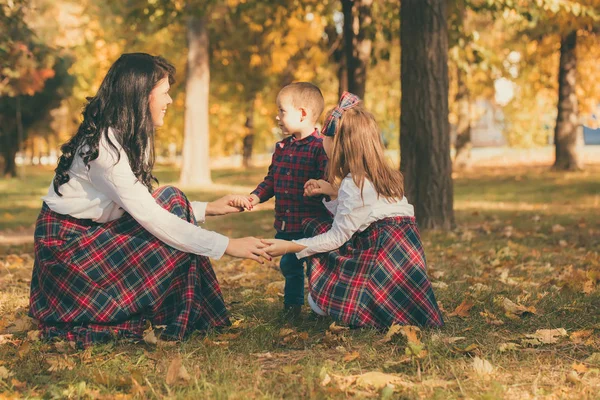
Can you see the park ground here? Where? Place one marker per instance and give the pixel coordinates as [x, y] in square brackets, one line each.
[518, 281]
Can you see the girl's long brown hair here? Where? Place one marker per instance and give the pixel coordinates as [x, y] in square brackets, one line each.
[358, 150]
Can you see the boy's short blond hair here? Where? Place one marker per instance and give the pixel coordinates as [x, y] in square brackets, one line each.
[305, 95]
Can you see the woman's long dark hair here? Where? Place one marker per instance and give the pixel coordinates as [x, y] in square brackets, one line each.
[122, 103]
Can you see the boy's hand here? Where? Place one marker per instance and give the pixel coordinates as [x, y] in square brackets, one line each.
[254, 200]
[240, 202]
[314, 187]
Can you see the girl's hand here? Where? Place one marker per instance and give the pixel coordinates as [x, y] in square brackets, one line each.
[314, 187]
[240, 202]
[248, 247]
[278, 247]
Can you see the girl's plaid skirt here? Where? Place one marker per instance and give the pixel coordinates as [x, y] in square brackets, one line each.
[92, 282]
[377, 278]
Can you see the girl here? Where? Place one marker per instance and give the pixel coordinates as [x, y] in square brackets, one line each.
[110, 253]
[367, 267]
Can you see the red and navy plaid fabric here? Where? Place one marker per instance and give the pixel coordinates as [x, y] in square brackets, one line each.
[347, 100]
[294, 163]
[377, 278]
[93, 282]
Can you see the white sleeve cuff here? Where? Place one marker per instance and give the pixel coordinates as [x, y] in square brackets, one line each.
[199, 208]
[221, 243]
[304, 253]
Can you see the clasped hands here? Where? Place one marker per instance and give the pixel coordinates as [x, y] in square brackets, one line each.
[278, 247]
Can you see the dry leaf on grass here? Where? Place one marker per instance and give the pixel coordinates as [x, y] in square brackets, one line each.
[556, 228]
[393, 330]
[333, 328]
[60, 362]
[581, 368]
[4, 373]
[33, 336]
[491, 318]
[482, 367]
[544, 336]
[504, 347]
[351, 356]
[594, 359]
[513, 309]
[150, 337]
[176, 372]
[463, 309]
[580, 336]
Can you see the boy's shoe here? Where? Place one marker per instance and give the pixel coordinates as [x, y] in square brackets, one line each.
[292, 312]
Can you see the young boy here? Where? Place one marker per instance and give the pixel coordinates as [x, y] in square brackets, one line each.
[297, 158]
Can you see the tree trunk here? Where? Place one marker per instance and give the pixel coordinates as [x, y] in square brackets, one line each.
[567, 119]
[358, 32]
[424, 127]
[9, 151]
[248, 141]
[195, 170]
[462, 145]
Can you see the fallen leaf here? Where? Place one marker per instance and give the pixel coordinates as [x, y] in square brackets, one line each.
[351, 356]
[411, 333]
[60, 362]
[8, 338]
[333, 328]
[580, 336]
[150, 337]
[4, 373]
[482, 367]
[22, 324]
[546, 336]
[581, 368]
[504, 347]
[176, 372]
[326, 380]
[283, 332]
[453, 339]
[228, 336]
[33, 336]
[557, 228]
[378, 380]
[463, 309]
[393, 330]
[512, 309]
[573, 377]
[491, 318]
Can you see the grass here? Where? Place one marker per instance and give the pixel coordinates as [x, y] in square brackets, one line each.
[530, 236]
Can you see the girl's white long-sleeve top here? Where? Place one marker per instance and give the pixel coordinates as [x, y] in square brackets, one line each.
[353, 213]
[108, 188]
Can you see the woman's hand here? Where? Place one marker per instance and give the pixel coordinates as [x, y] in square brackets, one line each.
[278, 247]
[247, 247]
[223, 206]
[314, 187]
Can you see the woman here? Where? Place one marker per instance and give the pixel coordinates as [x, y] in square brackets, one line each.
[110, 253]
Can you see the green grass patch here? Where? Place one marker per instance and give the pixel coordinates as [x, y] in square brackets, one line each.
[524, 257]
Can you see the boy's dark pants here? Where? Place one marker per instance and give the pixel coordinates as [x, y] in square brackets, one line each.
[293, 272]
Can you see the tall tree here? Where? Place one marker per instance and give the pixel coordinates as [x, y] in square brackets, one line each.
[33, 80]
[195, 168]
[424, 128]
[358, 41]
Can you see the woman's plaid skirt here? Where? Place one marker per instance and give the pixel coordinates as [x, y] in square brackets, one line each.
[377, 278]
[93, 282]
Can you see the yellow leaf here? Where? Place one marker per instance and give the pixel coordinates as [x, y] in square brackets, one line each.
[60, 362]
[378, 380]
[581, 368]
[411, 333]
[283, 332]
[351, 356]
[393, 330]
[4, 373]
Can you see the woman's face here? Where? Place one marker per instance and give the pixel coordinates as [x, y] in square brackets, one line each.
[159, 100]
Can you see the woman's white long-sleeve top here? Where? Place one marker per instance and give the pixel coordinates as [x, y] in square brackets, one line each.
[108, 188]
